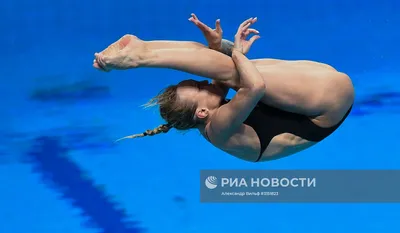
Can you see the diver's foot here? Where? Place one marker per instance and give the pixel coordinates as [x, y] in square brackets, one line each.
[126, 53]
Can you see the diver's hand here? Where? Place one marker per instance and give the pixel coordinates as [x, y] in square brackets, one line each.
[213, 36]
[241, 44]
[123, 54]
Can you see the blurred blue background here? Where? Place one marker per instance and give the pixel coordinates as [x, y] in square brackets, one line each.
[61, 172]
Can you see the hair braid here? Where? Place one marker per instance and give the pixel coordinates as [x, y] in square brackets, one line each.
[164, 128]
[178, 114]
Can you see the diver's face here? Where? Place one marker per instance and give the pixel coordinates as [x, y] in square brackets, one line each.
[203, 93]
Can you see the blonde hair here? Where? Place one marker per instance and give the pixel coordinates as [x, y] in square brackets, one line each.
[178, 114]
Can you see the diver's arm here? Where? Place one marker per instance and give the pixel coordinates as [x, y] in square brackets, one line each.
[230, 117]
[250, 77]
[225, 48]
[220, 85]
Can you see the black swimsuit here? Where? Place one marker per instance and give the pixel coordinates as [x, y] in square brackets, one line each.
[269, 122]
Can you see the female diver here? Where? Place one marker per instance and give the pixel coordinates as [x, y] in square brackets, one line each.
[280, 107]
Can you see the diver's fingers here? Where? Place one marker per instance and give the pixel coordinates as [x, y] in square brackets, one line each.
[218, 26]
[253, 38]
[250, 31]
[202, 26]
[246, 22]
[194, 16]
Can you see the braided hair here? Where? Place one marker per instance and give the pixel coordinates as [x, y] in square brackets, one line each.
[177, 114]
[164, 128]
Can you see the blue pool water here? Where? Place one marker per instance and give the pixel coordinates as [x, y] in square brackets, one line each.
[61, 172]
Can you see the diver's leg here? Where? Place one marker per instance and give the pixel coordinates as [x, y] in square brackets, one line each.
[194, 58]
[172, 44]
[150, 45]
[198, 61]
[191, 57]
[132, 52]
[226, 45]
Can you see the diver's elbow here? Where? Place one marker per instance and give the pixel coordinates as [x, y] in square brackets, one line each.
[258, 87]
[257, 90]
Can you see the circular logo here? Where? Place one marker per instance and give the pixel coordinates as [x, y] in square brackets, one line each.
[211, 182]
